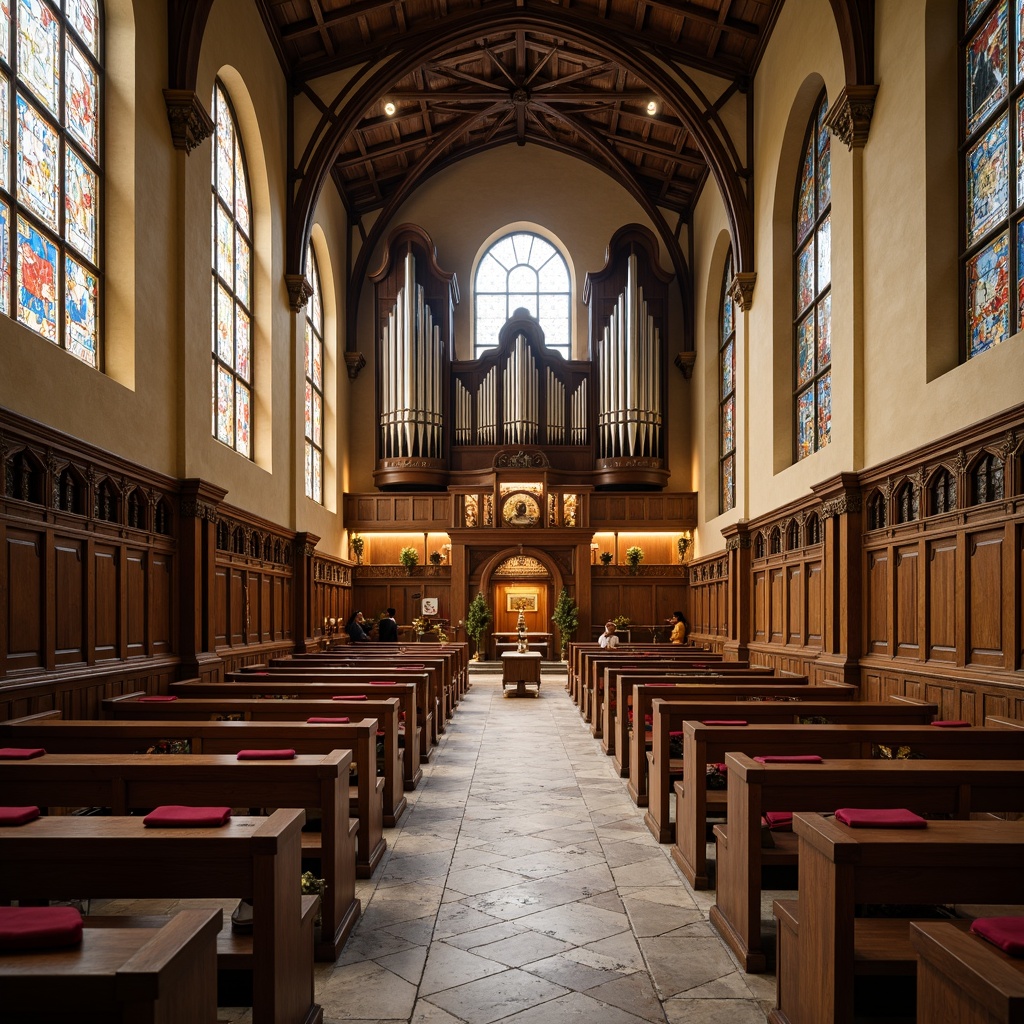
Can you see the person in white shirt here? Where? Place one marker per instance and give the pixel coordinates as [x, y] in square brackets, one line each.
[608, 637]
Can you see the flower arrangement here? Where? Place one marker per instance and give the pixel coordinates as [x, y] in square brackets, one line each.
[621, 621]
[313, 886]
[606, 558]
[634, 556]
[682, 546]
[356, 543]
[409, 557]
[435, 558]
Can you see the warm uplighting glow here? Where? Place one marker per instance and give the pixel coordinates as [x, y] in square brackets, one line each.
[652, 107]
[389, 108]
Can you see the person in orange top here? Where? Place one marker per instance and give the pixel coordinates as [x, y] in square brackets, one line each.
[680, 629]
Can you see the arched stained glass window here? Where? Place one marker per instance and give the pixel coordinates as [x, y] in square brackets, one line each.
[812, 255]
[992, 169]
[727, 394]
[232, 283]
[50, 170]
[525, 271]
[314, 404]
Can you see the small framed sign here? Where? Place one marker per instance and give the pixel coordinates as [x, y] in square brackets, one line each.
[428, 606]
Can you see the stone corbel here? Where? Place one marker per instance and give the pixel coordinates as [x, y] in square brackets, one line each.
[189, 120]
[741, 290]
[849, 120]
[300, 291]
[355, 361]
[685, 361]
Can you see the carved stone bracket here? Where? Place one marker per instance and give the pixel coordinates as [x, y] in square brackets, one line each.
[300, 291]
[849, 120]
[194, 508]
[960, 461]
[844, 504]
[355, 361]
[741, 290]
[190, 123]
[685, 361]
[520, 460]
[741, 541]
[1009, 445]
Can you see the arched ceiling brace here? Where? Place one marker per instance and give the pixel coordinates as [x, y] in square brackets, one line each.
[190, 122]
[849, 116]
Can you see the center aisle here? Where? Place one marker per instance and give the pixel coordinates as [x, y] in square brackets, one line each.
[523, 886]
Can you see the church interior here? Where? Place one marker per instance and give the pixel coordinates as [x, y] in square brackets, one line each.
[629, 311]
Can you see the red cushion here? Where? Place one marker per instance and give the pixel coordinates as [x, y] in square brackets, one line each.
[789, 759]
[881, 817]
[779, 821]
[159, 698]
[676, 732]
[179, 816]
[356, 696]
[312, 720]
[265, 755]
[724, 721]
[18, 815]
[951, 723]
[383, 682]
[260, 673]
[23, 928]
[1005, 932]
[20, 753]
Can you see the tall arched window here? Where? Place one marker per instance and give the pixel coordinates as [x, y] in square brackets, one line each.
[314, 404]
[232, 283]
[727, 394]
[523, 270]
[992, 113]
[50, 170]
[812, 255]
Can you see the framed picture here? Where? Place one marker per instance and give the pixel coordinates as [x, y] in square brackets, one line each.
[428, 606]
[521, 602]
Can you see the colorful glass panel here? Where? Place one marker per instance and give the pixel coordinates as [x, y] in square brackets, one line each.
[242, 400]
[824, 254]
[988, 296]
[825, 330]
[1020, 275]
[225, 406]
[805, 349]
[988, 181]
[5, 134]
[987, 72]
[225, 327]
[81, 103]
[225, 234]
[242, 343]
[824, 409]
[1020, 40]
[728, 483]
[318, 360]
[307, 349]
[241, 189]
[318, 476]
[309, 470]
[308, 417]
[243, 266]
[1019, 197]
[318, 419]
[5, 31]
[38, 51]
[38, 280]
[37, 164]
[84, 19]
[81, 312]
[805, 277]
[5, 260]
[805, 199]
[223, 166]
[974, 8]
[805, 423]
[824, 163]
[81, 206]
[728, 368]
[728, 425]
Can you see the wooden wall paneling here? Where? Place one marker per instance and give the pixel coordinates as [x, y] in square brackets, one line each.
[795, 630]
[877, 599]
[985, 553]
[1018, 568]
[777, 605]
[106, 601]
[814, 597]
[220, 607]
[760, 602]
[941, 599]
[908, 617]
[251, 614]
[70, 601]
[236, 607]
[135, 605]
[26, 606]
[162, 603]
[265, 604]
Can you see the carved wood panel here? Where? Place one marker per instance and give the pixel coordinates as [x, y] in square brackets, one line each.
[25, 567]
[69, 608]
[985, 598]
[908, 602]
[877, 599]
[940, 602]
[815, 604]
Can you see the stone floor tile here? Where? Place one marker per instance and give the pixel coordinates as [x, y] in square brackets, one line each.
[496, 997]
[713, 1011]
[677, 965]
[366, 991]
[577, 924]
[524, 948]
[567, 970]
[482, 936]
[486, 878]
[574, 1008]
[633, 992]
[448, 967]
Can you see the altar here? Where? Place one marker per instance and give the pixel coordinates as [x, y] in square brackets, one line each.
[539, 642]
[520, 671]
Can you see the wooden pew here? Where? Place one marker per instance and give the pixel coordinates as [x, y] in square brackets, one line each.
[579, 654]
[962, 979]
[128, 782]
[703, 744]
[161, 975]
[957, 788]
[255, 858]
[949, 861]
[669, 716]
[255, 709]
[270, 680]
[297, 686]
[57, 735]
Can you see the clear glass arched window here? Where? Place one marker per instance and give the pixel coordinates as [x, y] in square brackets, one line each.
[50, 171]
[232, 282]
[314, 403]
[812, 274]
[727, 394]
[523, 270]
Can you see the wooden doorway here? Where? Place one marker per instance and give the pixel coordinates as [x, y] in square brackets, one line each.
[534, 595]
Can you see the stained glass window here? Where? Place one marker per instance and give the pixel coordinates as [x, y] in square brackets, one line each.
[232, 273]
[314, 404]
[727, 394]
[992, 171]
[523, 271]
[50, 172]
[812, 259]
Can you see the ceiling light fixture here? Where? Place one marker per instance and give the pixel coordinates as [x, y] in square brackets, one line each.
[389, 108]
[652, 107]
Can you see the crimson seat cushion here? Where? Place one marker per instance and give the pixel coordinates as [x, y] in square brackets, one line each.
[157, 698]
[383, 682]
[879, 817]
[25, 928]
[285, 754]
[313, 721]
[1005, 932]
[724, 721]
[18, 815]
[355, 696]
[951, 723]
[20, 753]
[789, 759]
[182, 816]
[779, 821]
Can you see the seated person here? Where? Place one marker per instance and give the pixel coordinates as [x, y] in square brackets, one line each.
[356, 628]
[387, 628]
[608, 637]
[680, 628]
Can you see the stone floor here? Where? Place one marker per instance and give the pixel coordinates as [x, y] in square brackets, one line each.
[522, 886]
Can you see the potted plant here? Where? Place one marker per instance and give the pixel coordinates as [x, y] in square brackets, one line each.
[478, 618]
[682, 546]
[435, 558]
[409, 557]
[634, 556]
[356, 543]
[566, 617]
[606, 558]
